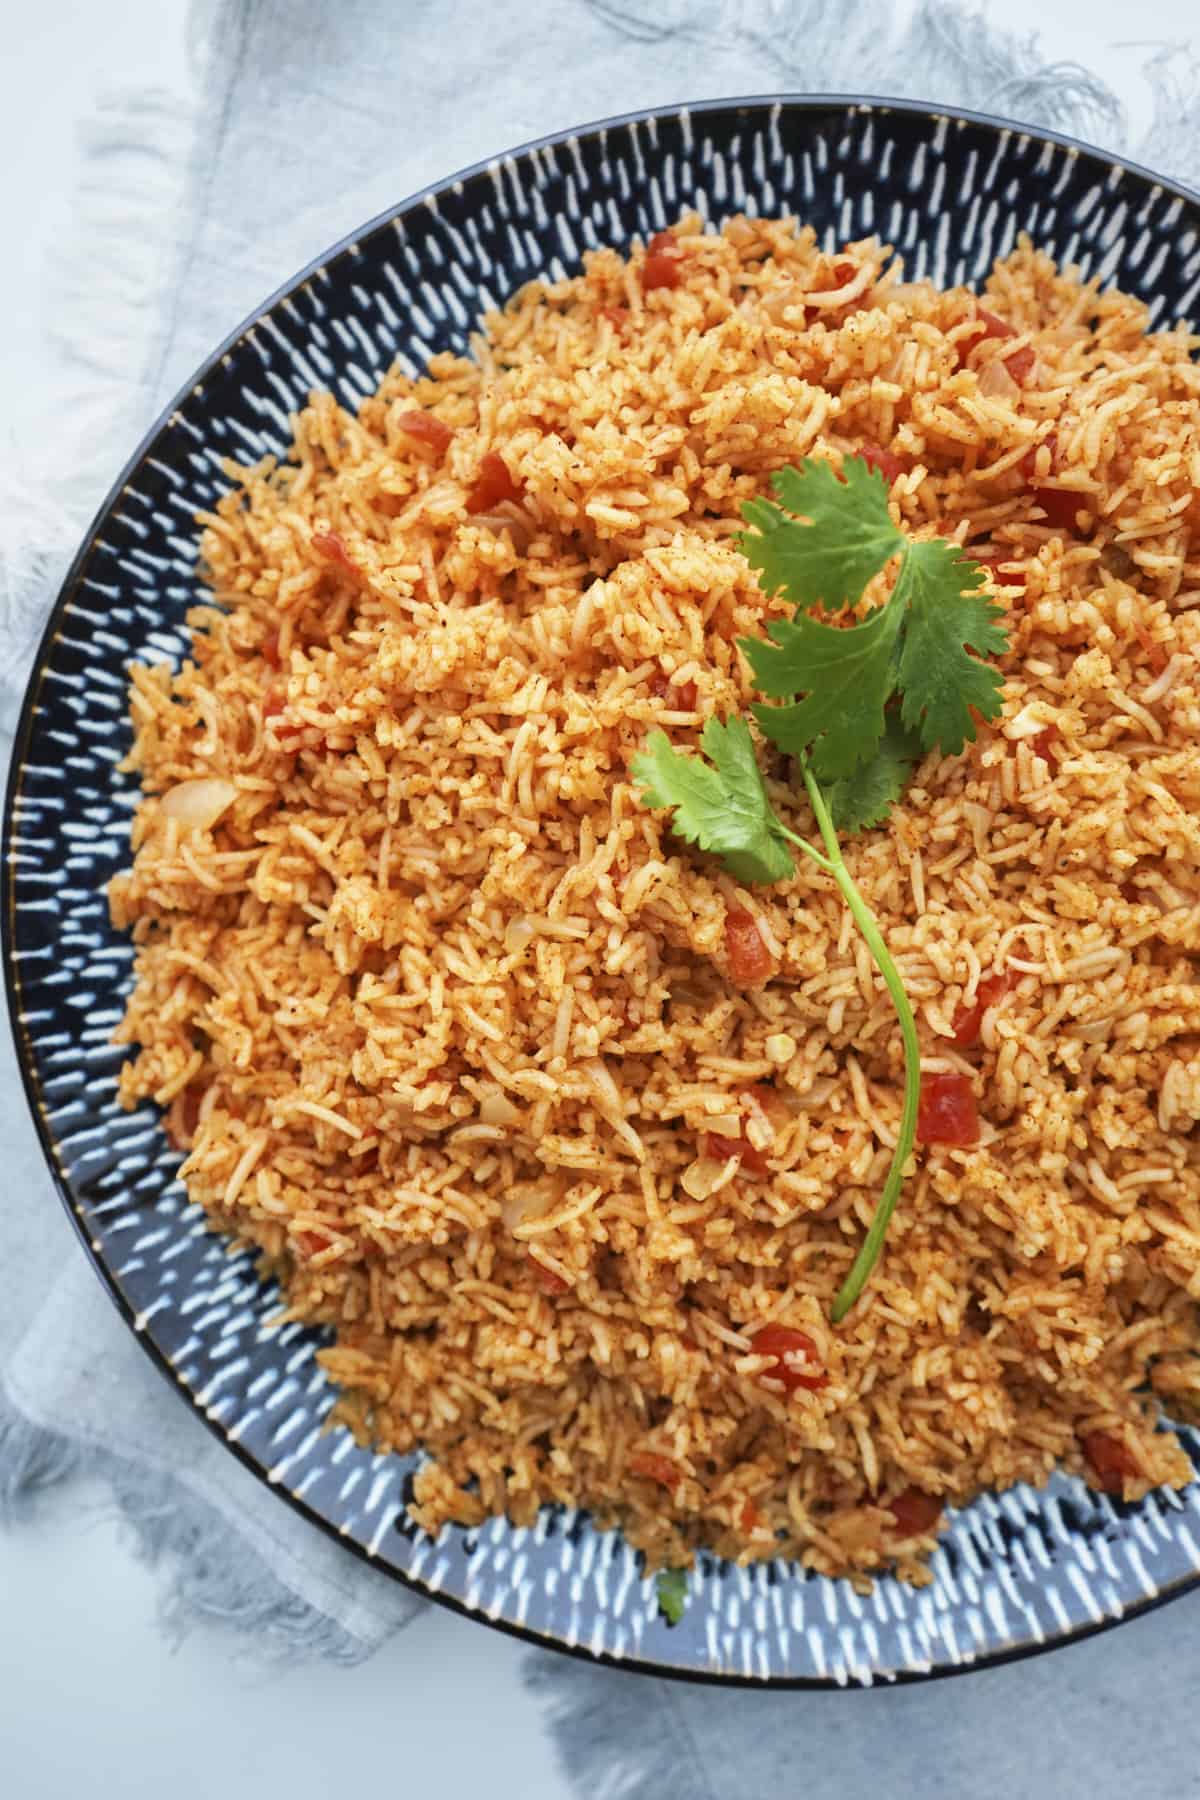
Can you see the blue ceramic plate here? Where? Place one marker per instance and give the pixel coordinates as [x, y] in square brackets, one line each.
[1013, 1572]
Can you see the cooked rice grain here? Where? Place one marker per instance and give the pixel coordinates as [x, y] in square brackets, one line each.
[443, 1015]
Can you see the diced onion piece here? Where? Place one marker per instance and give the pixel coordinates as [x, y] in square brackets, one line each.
[199, 803]
[785, 299]
[703, 1177]
[607, 1092]
[611, 1105]
[518, 528]
[996, 382]
[812, 1098]
[519, 933]
[524, 1204]
[908, 293]
[758, 1129]
[498, 1109]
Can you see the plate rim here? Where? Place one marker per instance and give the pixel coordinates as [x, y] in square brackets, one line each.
[347, 245]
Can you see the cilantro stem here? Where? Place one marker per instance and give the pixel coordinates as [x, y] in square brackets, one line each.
[864, 918]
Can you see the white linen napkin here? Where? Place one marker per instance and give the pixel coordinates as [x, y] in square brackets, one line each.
[305, 119]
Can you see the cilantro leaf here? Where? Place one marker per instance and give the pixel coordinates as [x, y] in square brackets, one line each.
[920, 642]
[847, 540]
[847, 674]
[947, 618]
[720, 805]
[865, 798]
[671, 1588]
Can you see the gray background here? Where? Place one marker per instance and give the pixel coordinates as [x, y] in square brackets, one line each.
[90, 1694]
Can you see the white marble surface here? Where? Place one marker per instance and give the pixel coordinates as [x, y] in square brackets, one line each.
[91, 1696]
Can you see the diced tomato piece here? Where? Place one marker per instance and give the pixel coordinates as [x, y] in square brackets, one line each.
[771, 1101]
[967, 342]
[653, 1467]
[750, 962]
[661, 268]
[1060, 506]
[749, 1517]
[549, 1280]
[720, 1148]
[984, 325]
[1001, 576]
[1111, 1460]
[886, 461]
[1029, 460]
[1044, 740]
[915, 1511]
[680, 696]
[270, 649]
[186, 1116]
[330, 545]
[836, 277]
[797, 1364]
[660, 271]
[426, 429]
[663, 265]
[946, 1113]
[1155, 653]
[968, 1019]
[1021, 363]
[274, 704]
[493, 484]
[311, 1243]
[992, 325]
[189, 1110]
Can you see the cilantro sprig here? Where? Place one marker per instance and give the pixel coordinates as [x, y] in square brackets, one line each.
[862, 701]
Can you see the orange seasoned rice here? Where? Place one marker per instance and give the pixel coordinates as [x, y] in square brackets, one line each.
[444, 1017]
